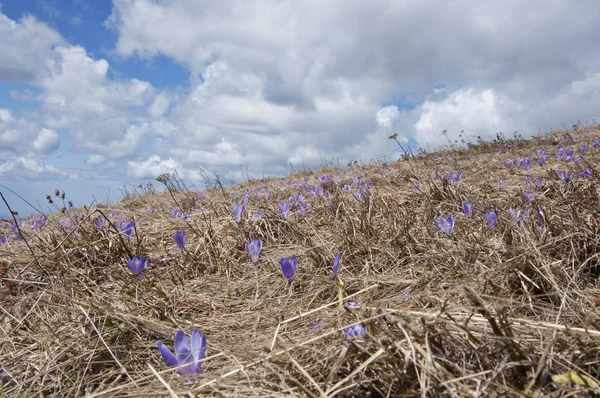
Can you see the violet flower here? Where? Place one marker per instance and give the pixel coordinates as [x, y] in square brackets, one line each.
[188, 357]
[254, 248]
[128, 228]
[468, 208]
[354, 331]
[336, 265]
[237, 211]
[492, 218]
[284, 209]
[288, 267]
[180, 239]
[446, 225]
[137, 265]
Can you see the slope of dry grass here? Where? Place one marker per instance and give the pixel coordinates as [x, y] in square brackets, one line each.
[482, 312]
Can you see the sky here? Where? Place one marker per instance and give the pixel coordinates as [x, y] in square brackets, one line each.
[96, 94]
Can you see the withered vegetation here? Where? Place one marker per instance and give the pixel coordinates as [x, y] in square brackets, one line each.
[509, 311]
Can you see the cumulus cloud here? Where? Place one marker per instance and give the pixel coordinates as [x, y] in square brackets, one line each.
[46, 141]
[309, 78]
[16, 134]
[19, 168]
[95, 159]
[26, 49]
[153, 167]
[275, 82]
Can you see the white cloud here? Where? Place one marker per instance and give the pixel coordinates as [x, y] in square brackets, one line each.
[280, 81]
[26, 53]
[22, 168]
[155, 166]
[16, 134]
[159, 106]
[95, 159]
[47, 141]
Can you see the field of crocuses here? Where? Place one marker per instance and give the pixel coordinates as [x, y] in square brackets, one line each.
[469, 272]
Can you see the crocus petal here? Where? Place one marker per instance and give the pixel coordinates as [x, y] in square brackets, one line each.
[167, 355]
[196, 346]
[182, 347]
[336, 263]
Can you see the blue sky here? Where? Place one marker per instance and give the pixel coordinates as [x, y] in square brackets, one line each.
[95, 95]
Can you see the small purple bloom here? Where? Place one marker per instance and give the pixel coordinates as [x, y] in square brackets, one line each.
[128, 228]
[468, 208]
[284, 209]
[188, 357]
[254, 248]
[584, 149]
[257, 215]
[565, 177]
[492, 218]
[174, 213]
[360, 195]
[351, 304]
[180, 239]
[529, 196]
[336, 265]
[446, 225]
[587, 173]
[354, 331]
[288, 266]
[137, 265]
[316, 325]
[237, 211]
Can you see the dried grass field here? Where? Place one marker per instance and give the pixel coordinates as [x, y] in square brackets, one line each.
[430, 299]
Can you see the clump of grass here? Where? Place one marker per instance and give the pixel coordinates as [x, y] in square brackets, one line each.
[428, 299]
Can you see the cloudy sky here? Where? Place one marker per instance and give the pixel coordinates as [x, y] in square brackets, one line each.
[96, 94]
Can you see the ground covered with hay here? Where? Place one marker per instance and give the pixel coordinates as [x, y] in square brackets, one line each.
[470, 272]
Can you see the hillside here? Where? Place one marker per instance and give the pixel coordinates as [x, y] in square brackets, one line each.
[499, 302]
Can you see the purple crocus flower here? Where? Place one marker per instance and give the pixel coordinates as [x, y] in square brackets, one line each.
[336, 265]
[597, 144]
[284, 209]
[542, 159]
[257, 215]
[587, 173]
[360, 194]
[354, 331]
[288, 266]
[316, 325]
[446, 225]
[254, 248]
[565, 176]
[180, 239]
[137, 265]
[188, 357]
[584, 149]
[174, 213]
[468, 208]
[237, 211]
[128, 228]
[569, 155]
[3, 239]
[529, 196]
[492, 218]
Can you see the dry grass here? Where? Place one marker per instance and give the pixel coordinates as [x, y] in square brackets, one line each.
[480, 313]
